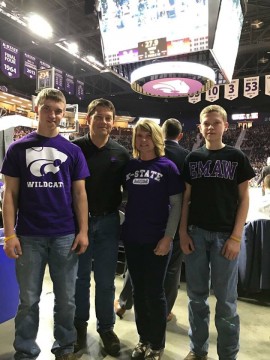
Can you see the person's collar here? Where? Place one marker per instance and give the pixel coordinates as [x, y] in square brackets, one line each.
[170, 140]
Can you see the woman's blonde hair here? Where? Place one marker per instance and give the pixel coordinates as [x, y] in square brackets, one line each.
[156, 134]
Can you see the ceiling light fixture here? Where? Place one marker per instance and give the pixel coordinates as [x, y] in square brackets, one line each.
[172, 79]
[39, 26]
[263, 60]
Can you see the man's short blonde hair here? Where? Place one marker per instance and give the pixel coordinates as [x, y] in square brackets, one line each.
[212, 108]
[51, 94]
[156, 134]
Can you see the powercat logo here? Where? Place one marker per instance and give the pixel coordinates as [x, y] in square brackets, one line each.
[44, 160]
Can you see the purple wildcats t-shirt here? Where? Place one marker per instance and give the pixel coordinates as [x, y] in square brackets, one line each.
[149, 185]
[46, 168]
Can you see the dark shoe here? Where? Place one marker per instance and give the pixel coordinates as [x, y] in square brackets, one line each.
[111, 342]
[118, 309]
[69, 356]
[81, 342]
[192, 356]
[139, 351]
[153, 354]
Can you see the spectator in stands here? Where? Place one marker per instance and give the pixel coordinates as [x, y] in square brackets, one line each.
[172, 131]
[214, 211]
[45, 189]
[154, 191]
[106, 160]
[265, 171]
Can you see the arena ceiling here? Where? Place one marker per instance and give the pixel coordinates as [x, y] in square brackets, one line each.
[76, 20]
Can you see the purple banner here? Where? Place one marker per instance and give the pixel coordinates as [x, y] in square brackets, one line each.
[59, 79]
[80, 89]
[43, 65]
[69, 84]
[30, 66]
[10, 60]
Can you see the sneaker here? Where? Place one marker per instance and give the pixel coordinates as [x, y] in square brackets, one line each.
[192, 356]
[153, 354]
[139, 351]
[118, 309]
[69, 356]
[111, 342]
[81, 342]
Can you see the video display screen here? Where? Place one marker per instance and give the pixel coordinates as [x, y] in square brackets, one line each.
[136, 30]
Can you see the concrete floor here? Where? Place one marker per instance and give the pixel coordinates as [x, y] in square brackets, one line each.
[255, 330]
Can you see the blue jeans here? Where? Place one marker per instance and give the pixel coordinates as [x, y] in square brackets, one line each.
[204, 262]
[147, 273]
[37, 252]
[104, 233]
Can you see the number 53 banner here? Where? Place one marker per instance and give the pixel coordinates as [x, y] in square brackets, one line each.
[251, 87]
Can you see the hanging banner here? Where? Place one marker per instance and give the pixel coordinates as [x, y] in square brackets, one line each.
[58, 79]
[212, 94]
[69, 84]
[80, 89]
[30, 66]
[43, 65]
[267, 85]
[251, 87]
[10, 60]
[194, 99]
[231, 90]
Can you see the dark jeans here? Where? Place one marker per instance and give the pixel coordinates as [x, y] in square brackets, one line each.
[104, 232]
[171, 283]
[147, 272]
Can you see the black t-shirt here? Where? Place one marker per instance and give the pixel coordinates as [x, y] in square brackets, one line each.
[214, 176]
[106, 167]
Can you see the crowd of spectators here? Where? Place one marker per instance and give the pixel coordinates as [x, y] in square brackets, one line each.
[255, 142]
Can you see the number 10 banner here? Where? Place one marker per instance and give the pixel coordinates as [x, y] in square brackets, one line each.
[251, 87]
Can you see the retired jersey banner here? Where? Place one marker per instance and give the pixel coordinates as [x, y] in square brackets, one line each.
[231, 90]
[80, 89]
[194, 99]
[59, 79]
[10, 60]
[251, 86]
[69, 84]
[267, 85]
[212, 94]
[30, 66]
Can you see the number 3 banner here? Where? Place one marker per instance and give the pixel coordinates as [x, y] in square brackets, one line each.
[231, 90]
[251, 87]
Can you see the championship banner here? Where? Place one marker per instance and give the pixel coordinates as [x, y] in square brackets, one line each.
[267, 85]
[30, 66]
[212, 94]
[231, 90]
[59, 79]
[43, 65]
[194, 99]
[80, 90]
[10, 60]
[69, 84]
[251, 87]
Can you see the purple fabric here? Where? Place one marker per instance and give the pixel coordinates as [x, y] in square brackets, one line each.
[46, 168]
[149, 185]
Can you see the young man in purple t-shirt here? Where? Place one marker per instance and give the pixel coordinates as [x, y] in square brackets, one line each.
[45, 215]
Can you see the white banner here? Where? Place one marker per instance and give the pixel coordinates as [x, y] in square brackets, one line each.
[231, 90]
[251, 87]
[267, 85]
[194, 99]
[212, 94]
